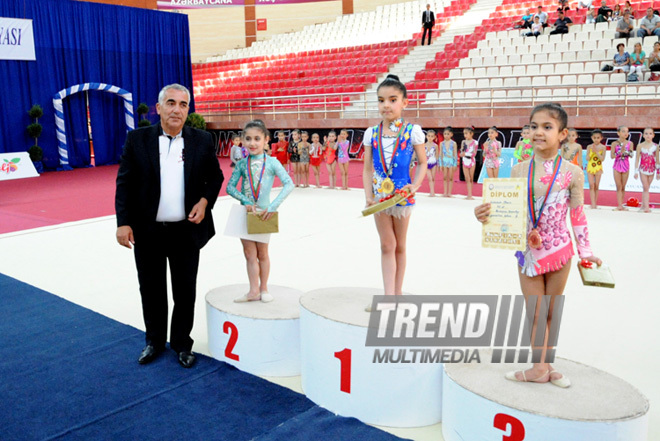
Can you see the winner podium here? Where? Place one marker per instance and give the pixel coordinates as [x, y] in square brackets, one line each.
[340, 373]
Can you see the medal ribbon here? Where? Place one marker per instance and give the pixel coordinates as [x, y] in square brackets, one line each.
[530, 189]
[381, 152]
[257, 189]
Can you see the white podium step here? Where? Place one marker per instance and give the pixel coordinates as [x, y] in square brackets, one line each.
[259, 338]
[479, 403]
[339, 373]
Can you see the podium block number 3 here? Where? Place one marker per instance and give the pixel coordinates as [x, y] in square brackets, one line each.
[232, 330]
[344, 357]
[502, 421]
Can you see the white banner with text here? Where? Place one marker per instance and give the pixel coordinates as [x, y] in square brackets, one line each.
[16, 39]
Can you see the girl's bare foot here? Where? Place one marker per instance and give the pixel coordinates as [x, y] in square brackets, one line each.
[248, 298]
[532, 375]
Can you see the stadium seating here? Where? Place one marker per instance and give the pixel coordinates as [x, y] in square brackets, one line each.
[328, 65]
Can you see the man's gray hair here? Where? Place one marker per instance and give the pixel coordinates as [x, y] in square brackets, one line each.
[175, 86]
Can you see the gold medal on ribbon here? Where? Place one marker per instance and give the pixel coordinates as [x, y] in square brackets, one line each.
[387, 186]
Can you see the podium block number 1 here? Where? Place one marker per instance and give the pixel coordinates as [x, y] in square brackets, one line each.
[232, 330]
[344, 357]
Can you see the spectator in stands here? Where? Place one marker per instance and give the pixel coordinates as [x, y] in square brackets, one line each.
[428, 21]
[604, 12]
[584, 4]
[561, 24]
[624, 27]
[537, 28]
[526, 20]
[654, 62]
[591, 15]
[650, 25]
[543, 16]
[563, 6]
[621, 59]
[628, 7]
[616, 15]
[637, 61]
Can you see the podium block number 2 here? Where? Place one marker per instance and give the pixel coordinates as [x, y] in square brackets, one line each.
[232, 330]
[344, 357]
[503, 420]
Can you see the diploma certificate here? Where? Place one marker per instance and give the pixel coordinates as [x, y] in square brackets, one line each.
[507, 224]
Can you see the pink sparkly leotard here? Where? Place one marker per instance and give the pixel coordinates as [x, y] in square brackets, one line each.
[566, 193]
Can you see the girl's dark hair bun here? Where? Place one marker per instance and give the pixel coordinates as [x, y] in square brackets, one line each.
[394, 77]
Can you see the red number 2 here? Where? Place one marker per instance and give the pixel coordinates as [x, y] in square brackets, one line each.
[503, 420]
[344, 357]
[232, 330]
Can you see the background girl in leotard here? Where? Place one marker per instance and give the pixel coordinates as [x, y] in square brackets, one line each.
[646, 165]
[468, 155]
[303, 149]
[621, 151]
[432, 159]
[330, 156]
[343, 159]
[294, 156]
[449, 160]
[492, 153]
[571, 150]
[595, 157]
[316, 157]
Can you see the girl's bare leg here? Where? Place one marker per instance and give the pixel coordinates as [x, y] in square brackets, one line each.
[333, 175]
[264, 265]
[344, 175]
[592, 189]
[385, 227]
[646, 185]
[596, 187]
[469, 174]
[450, 179]
[252, 264]
[496, 172]
[429, 175]
[401, 233]
[547, 284]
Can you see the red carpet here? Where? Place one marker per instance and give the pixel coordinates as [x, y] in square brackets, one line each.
[57, 197]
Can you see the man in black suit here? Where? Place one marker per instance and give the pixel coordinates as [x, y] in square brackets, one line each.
[167, 184]
[428, 21]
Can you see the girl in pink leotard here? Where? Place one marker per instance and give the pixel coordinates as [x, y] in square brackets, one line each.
[621, 150]
[342, 157]
[554, 190]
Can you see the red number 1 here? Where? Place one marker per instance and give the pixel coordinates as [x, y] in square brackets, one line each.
[345, 372]
[503, 420]
[232, 330]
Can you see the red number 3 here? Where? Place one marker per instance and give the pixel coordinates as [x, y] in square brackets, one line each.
[232, 330]
[503, 420]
